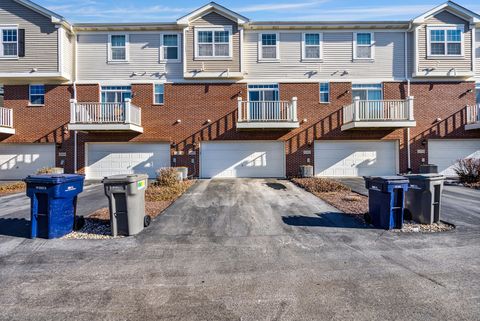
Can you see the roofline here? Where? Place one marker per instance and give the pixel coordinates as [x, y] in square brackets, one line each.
[474, 17]
[184, 20]
[54, 17]
[125, 26]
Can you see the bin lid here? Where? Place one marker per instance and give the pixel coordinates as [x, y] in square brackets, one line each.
[53, 178]
[125, 178]
[426, 177]
[394, 179]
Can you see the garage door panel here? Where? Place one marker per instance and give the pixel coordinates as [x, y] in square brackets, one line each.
[242, 159]
[105, 159]
[355, 158]
[17, 161]
[446, 153]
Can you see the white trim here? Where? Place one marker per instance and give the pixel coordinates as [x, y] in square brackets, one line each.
[229, 29]
[212, 7]
[179, 44]
[452, 8]
[30, 95]
[372, 46]
[184, 49]
[429, 28]
[154, 102]
[60, 49]
[474, 49]
[109, 48]
[240, 31]
[320, 47]
[320, 93]
[277, 45]
[8, 27]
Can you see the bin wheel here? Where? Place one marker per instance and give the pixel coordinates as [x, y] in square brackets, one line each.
[146, 220]
[78, 223]
[367, 218]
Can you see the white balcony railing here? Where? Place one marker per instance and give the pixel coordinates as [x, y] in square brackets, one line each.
[105, 113]
[6, 117]
[267, 111]
[473, 114]
[378, 110]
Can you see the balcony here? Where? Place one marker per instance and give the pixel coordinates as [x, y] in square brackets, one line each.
[105, 117]
[378, 114]
[473, 117]
[6, 121]
[271, 115]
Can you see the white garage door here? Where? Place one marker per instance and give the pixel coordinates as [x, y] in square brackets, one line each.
[105, 159]
[242, 159]
[355, 158]
[17, 161]
[445, 153]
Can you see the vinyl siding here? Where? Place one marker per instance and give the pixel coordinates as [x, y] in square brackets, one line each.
[41, 40]
[444, 65]
[477, 53]
[144, 52]
[211, 20]
[337, 57]
[68, 52]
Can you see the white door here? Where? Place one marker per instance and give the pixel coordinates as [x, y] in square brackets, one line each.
[105, 159]
[355, 158]
[242, 159]
[17, 161]
[444, 153]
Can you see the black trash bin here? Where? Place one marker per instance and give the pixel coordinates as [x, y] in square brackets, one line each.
[53, 203]
[386, 200]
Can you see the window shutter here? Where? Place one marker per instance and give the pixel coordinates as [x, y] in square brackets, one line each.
[21, 42]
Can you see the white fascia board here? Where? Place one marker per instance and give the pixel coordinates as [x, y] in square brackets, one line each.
[451, 7]
[212, 6]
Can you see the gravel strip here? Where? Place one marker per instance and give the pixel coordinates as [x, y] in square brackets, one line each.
[93, 229]
[413, 227]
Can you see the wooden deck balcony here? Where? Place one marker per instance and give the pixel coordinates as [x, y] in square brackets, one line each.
[378, 114]
[105, 116]
[473, 117]
[272, 115]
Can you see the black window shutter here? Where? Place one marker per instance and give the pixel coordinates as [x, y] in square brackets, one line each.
[21, 42]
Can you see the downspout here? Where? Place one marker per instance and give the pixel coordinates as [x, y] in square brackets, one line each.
[75, 97]
[409, 161]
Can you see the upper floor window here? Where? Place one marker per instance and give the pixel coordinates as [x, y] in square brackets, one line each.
[363, 45]
[159, 91]
[170, 47]
[268, 46]
[213, 43]
[118, 50]
[477, 92]
[324, 92]
[8, 42]
[115, 94]
[367, 91]
[445, 41]
[312, 46]
[37, 95]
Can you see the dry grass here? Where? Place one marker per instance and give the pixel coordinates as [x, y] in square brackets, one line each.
[167, 177]
[14, 187]
[335, 193]
[157, 199]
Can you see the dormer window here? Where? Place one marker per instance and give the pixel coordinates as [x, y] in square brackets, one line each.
[445, 41]
[213, 43]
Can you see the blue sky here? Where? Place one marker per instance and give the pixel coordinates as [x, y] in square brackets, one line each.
[161, 11]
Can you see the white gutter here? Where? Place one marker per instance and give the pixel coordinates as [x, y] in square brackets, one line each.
[409, 161]
[75, 65]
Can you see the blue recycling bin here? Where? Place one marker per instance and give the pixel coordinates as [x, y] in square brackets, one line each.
[53, 203]
[386, 200]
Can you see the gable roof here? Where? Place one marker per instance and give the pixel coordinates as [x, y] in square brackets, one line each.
[215, 7]
[453, 8]
[55, 18]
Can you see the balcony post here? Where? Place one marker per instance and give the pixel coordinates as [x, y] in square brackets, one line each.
[73, 114]
[294, 109]
[410, 108]
[128, 110]
[356, 108]
[239, 107]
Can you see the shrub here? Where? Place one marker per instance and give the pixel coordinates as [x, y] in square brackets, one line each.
[320, 185]
[468, 170]
[167, 176]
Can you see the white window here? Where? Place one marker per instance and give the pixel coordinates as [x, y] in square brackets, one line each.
[8, 42]
[324, 92]
[445, 41]
[118, 48]
[115, 94]
[477, 92]
[159, 90]
[213, 43]
[363, 45]
[170, 47]
[312, 46]
[367, 91]
[37, 95]
[268, 46]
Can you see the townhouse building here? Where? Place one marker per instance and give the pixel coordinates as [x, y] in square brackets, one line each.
[231, 97]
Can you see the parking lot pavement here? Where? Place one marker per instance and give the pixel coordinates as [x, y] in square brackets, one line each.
[15, 209]
[245, 250]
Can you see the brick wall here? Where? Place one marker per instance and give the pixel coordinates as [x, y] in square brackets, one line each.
[194, 104]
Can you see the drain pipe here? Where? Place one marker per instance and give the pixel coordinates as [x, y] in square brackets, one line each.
[409, 161]
[75, 165]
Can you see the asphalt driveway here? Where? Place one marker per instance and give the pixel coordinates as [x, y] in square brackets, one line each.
[245, 250]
